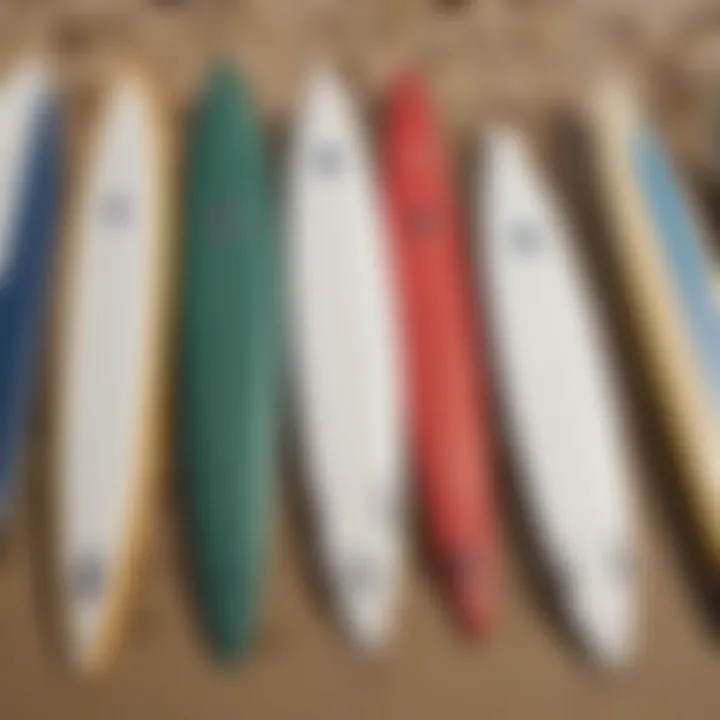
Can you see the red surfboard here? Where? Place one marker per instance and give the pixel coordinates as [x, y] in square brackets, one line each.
[446, 398]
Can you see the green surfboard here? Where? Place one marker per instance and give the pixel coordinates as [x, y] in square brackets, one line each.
[228, 361]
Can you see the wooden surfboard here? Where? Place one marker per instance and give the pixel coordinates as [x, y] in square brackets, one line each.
[557, 397]
[29, 180]
[449, 418]
[671, 277]
[228, 364]
[110, 367]
[345, 361]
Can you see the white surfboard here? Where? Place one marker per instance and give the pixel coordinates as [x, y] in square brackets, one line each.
[110, 363]
[345, 361]
[557, 395]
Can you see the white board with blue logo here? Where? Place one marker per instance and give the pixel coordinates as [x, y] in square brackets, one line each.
[557, 398]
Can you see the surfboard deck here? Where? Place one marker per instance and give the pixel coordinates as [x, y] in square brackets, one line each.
[448, 415]
[345, 362]
[228, 365]
[30, 139]
[112, 322]
[670, 275]
[557, 398]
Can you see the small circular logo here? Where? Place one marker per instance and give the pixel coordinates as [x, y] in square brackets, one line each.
[117, 210]
[526, 239]
[88, 576]
[328, 160]
[361, 575]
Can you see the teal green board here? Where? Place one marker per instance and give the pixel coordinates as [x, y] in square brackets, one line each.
[228, 361]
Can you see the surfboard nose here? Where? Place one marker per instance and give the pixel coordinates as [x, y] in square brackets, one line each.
[323, 84]
[87, 586]
[603, 613]
[506, 153]
[367, 622]
[469, 587]
[410, 138]
[228, 613]
[365, 599]
[327, 104]
[407, 91]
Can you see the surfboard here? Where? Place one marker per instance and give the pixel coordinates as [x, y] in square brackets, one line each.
[557, 398]
[346, 368]
[29, 180]
[110, 367]
[670, 272]
[448, 415]
[228, 362]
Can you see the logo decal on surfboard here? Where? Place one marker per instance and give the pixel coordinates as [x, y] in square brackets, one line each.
[328, 159]
[525, 238]
[88, 576]
[117, 210]
[362, 576]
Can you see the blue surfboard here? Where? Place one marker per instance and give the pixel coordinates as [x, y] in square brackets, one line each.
[25, 252]
[672, 291]
[680, 243]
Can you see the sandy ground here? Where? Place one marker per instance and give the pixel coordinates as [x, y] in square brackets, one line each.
[484, 60]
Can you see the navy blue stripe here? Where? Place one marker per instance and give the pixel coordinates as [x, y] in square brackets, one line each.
[23, 290]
